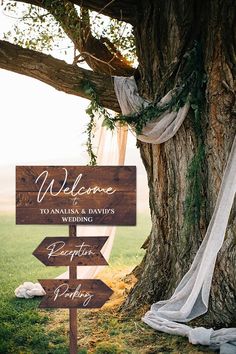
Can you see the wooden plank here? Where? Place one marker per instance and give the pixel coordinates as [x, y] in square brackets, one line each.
[97, 198]
[91, 175]
[74, 293]
[122, 217]
[100, 201]
[71, 251]
[73, 311]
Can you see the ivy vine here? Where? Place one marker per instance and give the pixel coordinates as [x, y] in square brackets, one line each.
[95, 109]
[195, 173]
[190, 87]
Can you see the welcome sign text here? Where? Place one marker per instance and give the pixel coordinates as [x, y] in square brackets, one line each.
[103, 195]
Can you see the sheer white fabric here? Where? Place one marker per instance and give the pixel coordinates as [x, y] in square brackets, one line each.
[191, 296]
[158, 130]
[110, 151]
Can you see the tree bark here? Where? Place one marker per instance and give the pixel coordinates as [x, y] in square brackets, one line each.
[57, 73]
[165, 30]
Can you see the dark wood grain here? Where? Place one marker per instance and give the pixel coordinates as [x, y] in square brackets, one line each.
[80, 251]
[119, 177]
[122, 216]
[91, 293]
[29, 200]
[100, 208]
[73, 311]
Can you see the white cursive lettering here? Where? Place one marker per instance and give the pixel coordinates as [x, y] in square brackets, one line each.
[57, 249]
[73, 191]
[62, 291]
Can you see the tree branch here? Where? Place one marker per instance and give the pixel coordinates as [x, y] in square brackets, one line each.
[57, 73]
[123, 10]
[79, 31]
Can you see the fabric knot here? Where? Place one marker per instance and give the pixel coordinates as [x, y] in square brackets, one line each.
[200, 335]
[28, 290]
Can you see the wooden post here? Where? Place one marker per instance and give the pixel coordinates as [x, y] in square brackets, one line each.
[63, 181]
[73, 312]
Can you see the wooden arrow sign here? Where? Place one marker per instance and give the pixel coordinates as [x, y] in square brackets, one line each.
[71, 251]
[74, 293]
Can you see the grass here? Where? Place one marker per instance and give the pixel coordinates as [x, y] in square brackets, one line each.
[22, 326]
[24, 329]
[127, 245]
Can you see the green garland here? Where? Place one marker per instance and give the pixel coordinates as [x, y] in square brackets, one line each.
[195, 172]
[94, 109]
[190, 89]
[90, 133]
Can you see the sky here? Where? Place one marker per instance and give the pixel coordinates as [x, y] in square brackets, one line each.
[40, 125]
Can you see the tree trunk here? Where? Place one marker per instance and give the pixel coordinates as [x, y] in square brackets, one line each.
[184, 186]
[184, 174]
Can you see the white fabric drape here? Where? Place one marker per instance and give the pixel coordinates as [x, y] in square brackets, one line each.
[111, 147]
[158, 130]
[191, 296]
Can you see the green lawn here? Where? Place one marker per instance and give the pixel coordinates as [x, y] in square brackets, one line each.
[22, 326]
[126, 250]
[24, 329]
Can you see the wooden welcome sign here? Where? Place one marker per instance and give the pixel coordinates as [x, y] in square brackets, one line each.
[74, 195]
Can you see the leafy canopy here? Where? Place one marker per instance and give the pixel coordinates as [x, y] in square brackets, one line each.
[35, 28]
